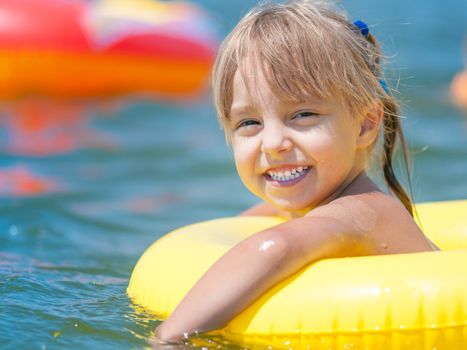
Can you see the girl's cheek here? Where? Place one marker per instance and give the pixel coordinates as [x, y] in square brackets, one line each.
[241, 155]
[317, 142]
[242, 146]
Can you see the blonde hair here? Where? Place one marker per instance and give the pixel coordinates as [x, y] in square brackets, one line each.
[310, 49]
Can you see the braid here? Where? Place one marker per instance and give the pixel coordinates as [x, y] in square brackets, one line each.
[392, 130]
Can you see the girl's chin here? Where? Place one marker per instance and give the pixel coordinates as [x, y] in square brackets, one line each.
[292, 209]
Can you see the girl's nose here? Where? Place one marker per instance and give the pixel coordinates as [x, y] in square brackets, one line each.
[275, 140]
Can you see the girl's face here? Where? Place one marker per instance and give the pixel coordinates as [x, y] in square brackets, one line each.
[294, 155]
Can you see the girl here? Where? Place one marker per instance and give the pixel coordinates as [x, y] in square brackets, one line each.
[298, 90]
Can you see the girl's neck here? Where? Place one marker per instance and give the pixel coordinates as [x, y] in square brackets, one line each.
[357, 184]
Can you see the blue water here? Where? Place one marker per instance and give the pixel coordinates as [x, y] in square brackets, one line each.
[80, 212]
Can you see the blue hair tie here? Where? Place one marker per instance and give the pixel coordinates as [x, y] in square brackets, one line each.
[363, 27]
[384, 85]
[365, 31]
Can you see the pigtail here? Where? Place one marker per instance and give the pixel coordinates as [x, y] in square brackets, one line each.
[392, 131]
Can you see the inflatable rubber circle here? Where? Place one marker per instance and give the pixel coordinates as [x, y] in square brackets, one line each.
[79, 49]
[404, 301]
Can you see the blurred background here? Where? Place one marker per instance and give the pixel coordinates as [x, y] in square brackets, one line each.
[108, 140]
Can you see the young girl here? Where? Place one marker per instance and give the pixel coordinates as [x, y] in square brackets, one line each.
[299, 91]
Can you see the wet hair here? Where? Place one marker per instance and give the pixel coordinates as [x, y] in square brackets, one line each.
[310, 49]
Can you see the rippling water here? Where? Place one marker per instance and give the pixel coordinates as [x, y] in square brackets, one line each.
[82, 196]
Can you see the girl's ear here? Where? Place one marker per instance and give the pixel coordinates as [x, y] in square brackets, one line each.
[370, 125]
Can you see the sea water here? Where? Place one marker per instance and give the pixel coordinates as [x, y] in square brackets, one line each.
[84, 196]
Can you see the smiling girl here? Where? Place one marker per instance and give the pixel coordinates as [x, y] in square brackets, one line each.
[298, 89]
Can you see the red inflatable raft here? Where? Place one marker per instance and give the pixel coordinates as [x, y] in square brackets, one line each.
[73, 49]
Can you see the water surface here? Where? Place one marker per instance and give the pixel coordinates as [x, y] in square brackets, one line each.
[83, 196]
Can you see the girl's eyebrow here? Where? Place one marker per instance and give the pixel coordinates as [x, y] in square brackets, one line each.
[242, 109]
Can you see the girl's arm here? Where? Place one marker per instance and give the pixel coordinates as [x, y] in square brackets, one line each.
[255, 265]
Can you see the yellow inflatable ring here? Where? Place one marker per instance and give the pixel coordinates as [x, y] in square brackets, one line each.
[407, 301]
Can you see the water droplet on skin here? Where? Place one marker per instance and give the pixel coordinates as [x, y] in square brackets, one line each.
[266, 245]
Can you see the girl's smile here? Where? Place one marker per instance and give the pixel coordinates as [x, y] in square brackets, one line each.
[285, 176]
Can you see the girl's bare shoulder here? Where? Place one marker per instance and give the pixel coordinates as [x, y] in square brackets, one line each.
[381, 219]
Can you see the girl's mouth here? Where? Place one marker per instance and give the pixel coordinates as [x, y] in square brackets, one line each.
[287, 177]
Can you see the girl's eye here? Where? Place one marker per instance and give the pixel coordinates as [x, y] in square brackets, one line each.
[245, 123]
[304, 114]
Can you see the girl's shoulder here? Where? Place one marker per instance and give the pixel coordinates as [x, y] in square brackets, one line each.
[381, 219]
[372, 206]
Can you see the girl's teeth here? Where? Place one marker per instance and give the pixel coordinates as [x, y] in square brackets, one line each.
[288, 174]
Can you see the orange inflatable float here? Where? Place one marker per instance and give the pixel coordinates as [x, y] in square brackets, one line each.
[459, 89]
[73, 49]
